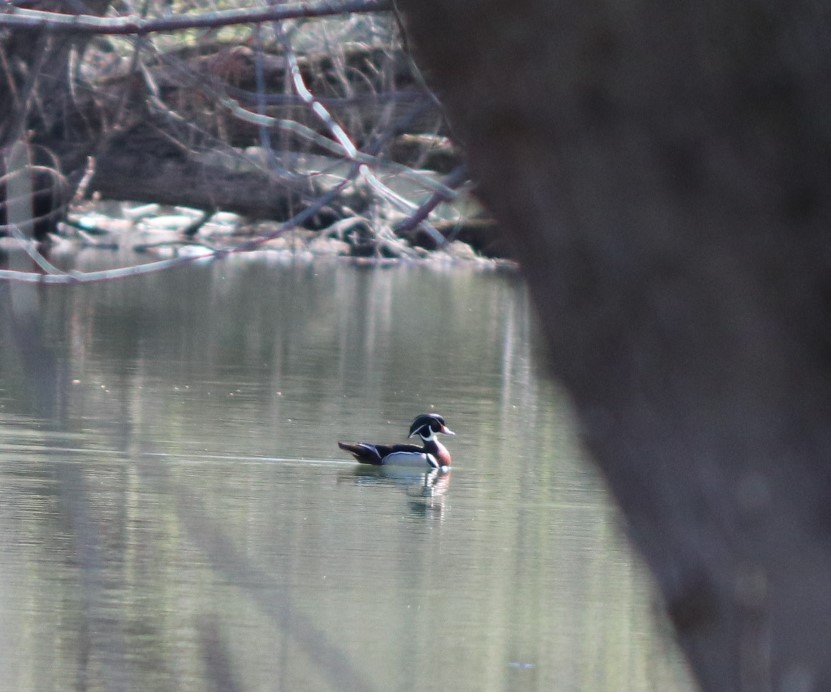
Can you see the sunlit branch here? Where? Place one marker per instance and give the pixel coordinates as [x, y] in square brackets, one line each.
[332, 147]
[37, 20]
[74, 277]
[317, 107]
[343, 139]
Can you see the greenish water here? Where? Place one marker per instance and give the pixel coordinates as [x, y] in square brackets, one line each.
[175, 514]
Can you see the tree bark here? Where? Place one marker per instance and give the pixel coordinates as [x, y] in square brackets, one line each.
[38, 109]
[663, 170]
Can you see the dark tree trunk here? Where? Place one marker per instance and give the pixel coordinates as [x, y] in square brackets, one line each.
[146, 163]
[35, 85]
[664, 170]
[39, 111]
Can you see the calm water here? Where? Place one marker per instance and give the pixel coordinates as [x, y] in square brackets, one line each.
[175, 515]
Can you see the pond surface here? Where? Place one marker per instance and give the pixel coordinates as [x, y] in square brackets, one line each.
[175, 513]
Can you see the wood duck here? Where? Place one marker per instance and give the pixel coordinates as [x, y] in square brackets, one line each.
[433, 454]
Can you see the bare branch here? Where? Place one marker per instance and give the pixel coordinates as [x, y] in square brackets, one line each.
[36, 20]
[294, 124]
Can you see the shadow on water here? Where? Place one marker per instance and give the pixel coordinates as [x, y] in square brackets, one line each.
[102, 653]
[235, 566]
[43, 383]
[27, 353]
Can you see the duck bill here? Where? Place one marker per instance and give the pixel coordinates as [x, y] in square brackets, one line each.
[446, 430]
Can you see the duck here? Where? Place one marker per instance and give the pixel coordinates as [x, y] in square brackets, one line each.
[432, 455]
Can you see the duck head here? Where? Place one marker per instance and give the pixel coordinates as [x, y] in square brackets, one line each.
[427, 425]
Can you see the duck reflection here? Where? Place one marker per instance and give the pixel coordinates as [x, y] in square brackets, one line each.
[426, 489]
[427, 498]
[433, 484]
